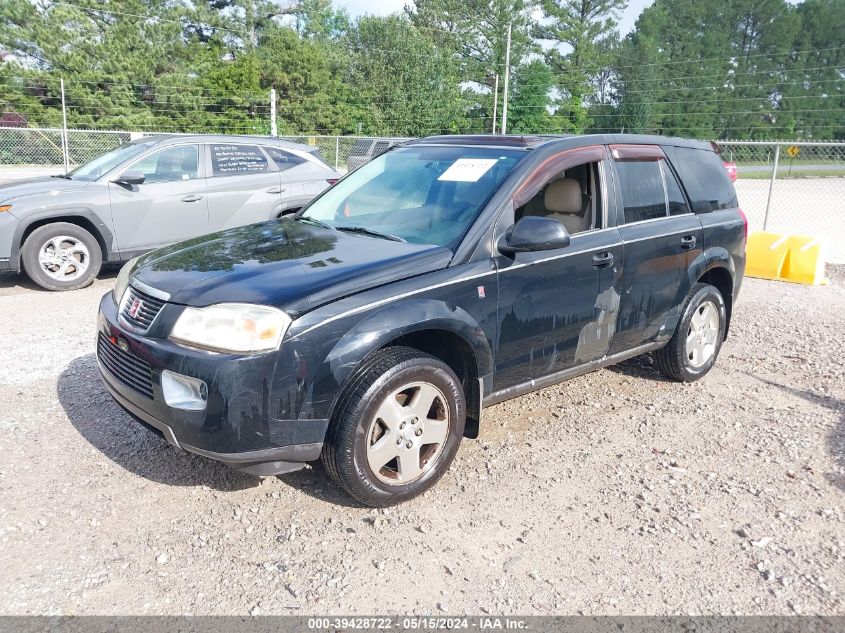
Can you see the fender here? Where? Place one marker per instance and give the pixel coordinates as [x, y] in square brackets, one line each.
[60, 215]
[380, 328]
[707, 260]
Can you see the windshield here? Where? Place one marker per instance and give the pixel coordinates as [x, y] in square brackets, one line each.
[421, 194]
[108, 161]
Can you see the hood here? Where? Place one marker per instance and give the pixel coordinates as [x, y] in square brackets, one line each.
[42, 185]
[288, 264]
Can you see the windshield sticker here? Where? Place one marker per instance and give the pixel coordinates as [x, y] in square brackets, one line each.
[468, 169]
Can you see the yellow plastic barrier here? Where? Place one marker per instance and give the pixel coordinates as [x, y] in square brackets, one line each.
[793, 258]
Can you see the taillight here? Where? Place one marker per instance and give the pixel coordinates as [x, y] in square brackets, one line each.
[331, 181]
[744, 225]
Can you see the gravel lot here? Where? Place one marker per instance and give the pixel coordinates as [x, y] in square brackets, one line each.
[614, 493]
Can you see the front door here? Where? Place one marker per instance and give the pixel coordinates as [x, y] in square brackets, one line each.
[661, 239]
[168, 207]
[558, 308]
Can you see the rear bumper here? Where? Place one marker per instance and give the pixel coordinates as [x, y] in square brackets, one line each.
[235, 429]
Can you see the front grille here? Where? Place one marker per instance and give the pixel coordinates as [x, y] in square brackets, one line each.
[140, 309]
[125, 366]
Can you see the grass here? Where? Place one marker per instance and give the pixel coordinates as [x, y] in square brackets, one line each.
[796, 173]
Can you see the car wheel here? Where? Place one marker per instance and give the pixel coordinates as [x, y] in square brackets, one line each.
[61, 256]
[396, 427]
[695, 345]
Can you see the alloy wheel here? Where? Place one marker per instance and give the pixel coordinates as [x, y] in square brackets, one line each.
[408, 432]
[64, 258]
[702, 334]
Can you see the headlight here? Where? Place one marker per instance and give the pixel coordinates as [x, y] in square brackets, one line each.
[122, 281]
[231, 327]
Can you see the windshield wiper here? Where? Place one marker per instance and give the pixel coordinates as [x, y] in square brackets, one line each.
[319, 223]
[365, 231]
[65, 176]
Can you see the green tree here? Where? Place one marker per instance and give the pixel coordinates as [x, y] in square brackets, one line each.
[582, 33]
[813, 101]
[476, 32]
[409, 84]
[531, 103]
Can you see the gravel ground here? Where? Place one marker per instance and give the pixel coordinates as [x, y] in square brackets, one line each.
[614, 493]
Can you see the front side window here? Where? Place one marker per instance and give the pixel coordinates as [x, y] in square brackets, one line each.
[421, 194]
[170, 164]
[237, 160]
[102, 164]
[643, 195]
[572, 197]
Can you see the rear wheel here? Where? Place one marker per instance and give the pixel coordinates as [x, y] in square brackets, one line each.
[695, 345]
[396, 427]
[61, 256]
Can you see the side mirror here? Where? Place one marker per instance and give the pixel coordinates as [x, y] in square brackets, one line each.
[534, 233]
[129, 178]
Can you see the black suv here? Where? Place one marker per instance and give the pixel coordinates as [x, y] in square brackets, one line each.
[448, 274]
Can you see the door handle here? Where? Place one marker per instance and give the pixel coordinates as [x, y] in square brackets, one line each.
[276, 190]
[191, 197]
[603, 260]
[688, 242]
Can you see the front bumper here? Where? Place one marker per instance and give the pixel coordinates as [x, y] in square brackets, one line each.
[236, 427]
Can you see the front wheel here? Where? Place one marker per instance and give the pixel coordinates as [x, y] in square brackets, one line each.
[396, 427]
[61, 256]
[695, 345]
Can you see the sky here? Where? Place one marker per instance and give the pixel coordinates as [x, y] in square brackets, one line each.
[383, 7]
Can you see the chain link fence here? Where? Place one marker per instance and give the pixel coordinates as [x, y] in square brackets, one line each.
[337, 150]
[792, 187]
[796, 188]
[24, 150]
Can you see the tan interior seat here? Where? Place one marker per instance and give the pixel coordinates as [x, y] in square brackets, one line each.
[565, 203]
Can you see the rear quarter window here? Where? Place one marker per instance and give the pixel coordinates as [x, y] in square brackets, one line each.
[704, 178]
[361, 147]
[284, 160]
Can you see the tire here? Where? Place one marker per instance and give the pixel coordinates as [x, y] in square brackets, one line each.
[61, 256]
[695, 345]
[379, 415]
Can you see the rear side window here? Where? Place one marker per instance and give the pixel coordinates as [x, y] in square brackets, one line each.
[284, 160]
[643, 195]
[704, 178]
[236, 160]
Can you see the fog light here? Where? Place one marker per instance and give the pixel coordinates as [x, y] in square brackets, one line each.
[183, 392]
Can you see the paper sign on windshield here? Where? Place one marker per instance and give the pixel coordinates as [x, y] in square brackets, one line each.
[468, 169]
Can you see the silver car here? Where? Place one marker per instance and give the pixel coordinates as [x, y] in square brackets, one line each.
[148, 193]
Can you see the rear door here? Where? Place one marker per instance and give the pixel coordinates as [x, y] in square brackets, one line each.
[661, 237]
[168, 207]
[244, 185]
[302, 178]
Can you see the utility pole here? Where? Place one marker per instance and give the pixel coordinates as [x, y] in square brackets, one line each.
[273, 130]
[495, 102]
[507, 76]
[65, 151]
